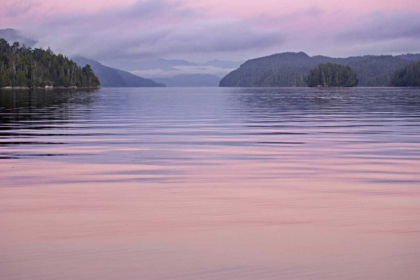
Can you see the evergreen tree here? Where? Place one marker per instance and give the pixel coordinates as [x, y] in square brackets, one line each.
[24, 67]
[6, 78]
[21, 79]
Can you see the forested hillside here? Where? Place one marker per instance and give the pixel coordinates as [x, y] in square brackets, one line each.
[290, 69]
[374, 71]
[26, 67]
[410, 56]
[408, 76]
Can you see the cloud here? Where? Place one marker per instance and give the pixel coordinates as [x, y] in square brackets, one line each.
[149, 28]
[383, 26]
[209, 36]
[136, 30]
[20, 8]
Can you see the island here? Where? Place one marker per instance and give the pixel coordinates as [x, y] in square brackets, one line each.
[24, 68]
[408, 76]
[331, 75]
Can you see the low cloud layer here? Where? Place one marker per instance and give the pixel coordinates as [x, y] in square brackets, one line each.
[132, 30]
[148, 28]
[383, 26]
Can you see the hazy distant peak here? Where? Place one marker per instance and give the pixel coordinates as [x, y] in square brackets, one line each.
[190, 80]
[194, 76]
[224, 64]
[112, 77]
[12, 35]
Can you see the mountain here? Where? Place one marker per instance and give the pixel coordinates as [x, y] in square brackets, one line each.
[148, 64]
[290, 69]
[286, 69]
[168, 64]
[191, 80]
[111, 77]
[223, 64]
[374, 71]
[12, 35]
[163, 68]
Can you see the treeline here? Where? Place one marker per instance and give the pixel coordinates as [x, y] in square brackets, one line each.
[26, 67]
[331, 75]
[290, 69]
[408, 76]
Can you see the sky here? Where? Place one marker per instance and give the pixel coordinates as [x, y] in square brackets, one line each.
[201, 30]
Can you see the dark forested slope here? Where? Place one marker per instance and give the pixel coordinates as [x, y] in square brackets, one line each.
[286, 69]
[410, 56]
[26, 67]
[374, 70]
[290, 69]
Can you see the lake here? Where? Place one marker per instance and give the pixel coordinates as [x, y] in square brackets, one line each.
[210, 183]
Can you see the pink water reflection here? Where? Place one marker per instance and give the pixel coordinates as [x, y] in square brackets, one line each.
[256, 185]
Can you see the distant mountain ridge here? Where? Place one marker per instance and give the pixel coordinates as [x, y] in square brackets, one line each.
[111, 77]
[169, 64]
[12, 35]
[224, 64]
[190, 80]
[290, 69]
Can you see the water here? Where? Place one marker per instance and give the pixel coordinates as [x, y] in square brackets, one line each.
[210, 184]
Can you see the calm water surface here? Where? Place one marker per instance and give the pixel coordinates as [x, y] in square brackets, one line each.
[210, 184]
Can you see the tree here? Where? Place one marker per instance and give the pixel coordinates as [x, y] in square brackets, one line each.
[21, 66]
[21, 79]
[90, 76]
[6, 78]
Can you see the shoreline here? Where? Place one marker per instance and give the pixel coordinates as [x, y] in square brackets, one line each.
[47, 88]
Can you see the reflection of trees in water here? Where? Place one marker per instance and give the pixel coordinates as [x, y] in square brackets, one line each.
[303, 101]
[16, 106]
[39, 110]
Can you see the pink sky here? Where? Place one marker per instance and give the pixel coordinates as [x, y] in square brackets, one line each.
[228, 8]
[208, 29]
